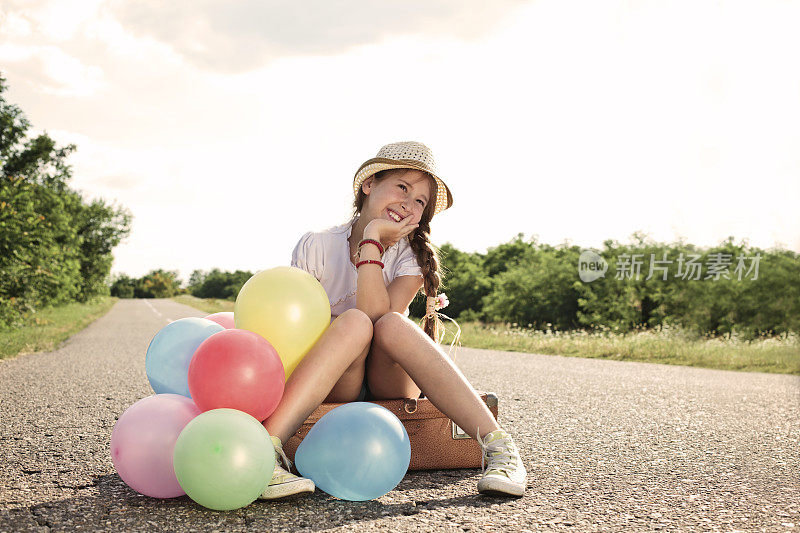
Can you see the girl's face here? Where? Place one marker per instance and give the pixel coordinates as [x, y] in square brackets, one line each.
[405, 192]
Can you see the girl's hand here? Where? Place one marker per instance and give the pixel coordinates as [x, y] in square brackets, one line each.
[389, 232]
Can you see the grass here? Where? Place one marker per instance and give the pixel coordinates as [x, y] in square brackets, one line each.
[209, 305]
[48, 328]
[778, 355]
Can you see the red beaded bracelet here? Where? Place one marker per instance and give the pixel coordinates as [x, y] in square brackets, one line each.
[364, 262]
[373, 241]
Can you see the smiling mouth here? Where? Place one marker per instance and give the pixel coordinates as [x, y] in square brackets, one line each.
[393, 214]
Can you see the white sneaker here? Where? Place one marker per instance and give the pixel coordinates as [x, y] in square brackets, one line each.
[504, 474]
[284, 483]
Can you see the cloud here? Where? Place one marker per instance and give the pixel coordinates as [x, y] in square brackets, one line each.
[15, 25]
[49, 70]
[31, 38]
[245, 34]
[57, 19]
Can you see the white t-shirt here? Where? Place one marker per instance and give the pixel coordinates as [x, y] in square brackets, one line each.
[325, 255]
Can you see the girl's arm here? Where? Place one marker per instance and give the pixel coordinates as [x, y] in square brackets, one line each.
[371, 296]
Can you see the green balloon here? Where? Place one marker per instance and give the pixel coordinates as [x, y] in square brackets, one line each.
[224, 459]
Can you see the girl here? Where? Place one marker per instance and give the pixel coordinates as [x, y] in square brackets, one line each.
[371, 268]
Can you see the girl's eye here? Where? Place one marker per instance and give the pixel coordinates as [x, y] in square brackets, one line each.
[404, 188]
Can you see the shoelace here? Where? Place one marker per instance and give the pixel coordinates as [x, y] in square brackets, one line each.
[281, 477]
[501, 453]
[286, 460]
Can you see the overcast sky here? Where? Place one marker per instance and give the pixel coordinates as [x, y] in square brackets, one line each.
[229, 129]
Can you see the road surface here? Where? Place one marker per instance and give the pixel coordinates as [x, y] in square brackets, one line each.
[609, 446]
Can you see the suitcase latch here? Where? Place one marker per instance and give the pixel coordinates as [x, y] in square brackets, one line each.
[410, 405]
[458, 433]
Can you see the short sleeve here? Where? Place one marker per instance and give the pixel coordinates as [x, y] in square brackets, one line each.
[306, 255]
[407, 264]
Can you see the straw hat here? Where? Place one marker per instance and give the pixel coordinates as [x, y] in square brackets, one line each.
[407, 154]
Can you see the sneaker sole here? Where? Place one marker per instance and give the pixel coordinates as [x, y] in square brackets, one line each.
[496, 487]
[285, 490]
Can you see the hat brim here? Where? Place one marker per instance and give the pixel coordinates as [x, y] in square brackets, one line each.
[444, 198]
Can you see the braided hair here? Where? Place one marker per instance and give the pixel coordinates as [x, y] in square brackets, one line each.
[426, 253]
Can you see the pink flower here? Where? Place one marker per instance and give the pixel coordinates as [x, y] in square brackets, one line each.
[442, 301]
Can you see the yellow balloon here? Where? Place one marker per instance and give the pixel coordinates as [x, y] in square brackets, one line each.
[288, 307]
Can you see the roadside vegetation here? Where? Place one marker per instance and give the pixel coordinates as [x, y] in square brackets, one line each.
[48, 328]
[55, 245]
[208, 305]
[674, 346]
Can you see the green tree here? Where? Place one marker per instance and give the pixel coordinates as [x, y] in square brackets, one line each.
[467, 284]
[501, 258]
[530, 283]
[123, 286]
[54, 247]
[624, 298]
[771, 302]
[100, 228]
[195, 280]
[39, 249]
[218, 284]
[157, 284]
[538, 290]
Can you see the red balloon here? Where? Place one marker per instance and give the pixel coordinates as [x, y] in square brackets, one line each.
[224, 319]
[238, 369]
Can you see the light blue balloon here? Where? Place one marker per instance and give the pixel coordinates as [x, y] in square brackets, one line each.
[171, 351]
[358, 451]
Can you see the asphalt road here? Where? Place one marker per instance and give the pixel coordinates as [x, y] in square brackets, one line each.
[609, 446]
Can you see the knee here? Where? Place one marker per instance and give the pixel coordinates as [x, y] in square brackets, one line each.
[388, 326]
[357, 324]
[354, 324]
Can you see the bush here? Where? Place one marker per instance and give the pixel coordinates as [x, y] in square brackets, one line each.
[218, 284]
[157, 284]
[123, 286]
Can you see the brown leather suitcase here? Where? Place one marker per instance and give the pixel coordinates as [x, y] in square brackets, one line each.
[436, 442]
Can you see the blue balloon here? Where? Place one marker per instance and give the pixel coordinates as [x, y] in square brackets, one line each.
[171, 351]
[358, 451]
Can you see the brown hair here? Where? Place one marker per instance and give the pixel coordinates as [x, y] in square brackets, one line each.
[426, 253]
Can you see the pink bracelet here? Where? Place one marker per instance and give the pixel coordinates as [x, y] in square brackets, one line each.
[373, 241]
[367, 261]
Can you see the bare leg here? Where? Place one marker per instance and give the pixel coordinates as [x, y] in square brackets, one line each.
[336, 359]
[400, 349]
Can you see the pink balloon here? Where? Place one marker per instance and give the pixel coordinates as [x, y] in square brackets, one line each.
[224, 319]
[143, 440]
